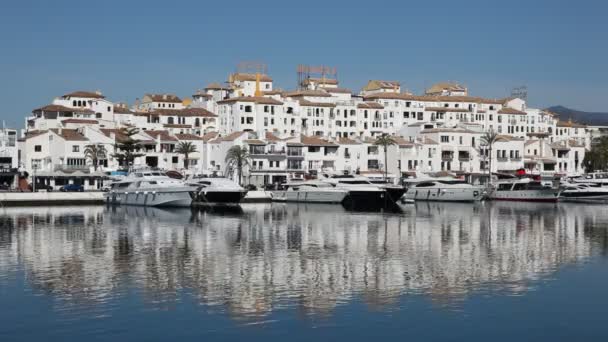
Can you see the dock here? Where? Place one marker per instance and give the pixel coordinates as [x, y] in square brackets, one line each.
[50, 198]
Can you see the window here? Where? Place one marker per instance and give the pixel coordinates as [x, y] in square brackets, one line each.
[248, 109]
[38, 148]
[445, 138]
[175, 160]
[75, 148]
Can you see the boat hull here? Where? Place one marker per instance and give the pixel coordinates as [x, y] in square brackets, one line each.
[221, 196]
[169, 198]
[584, 197]
[445, 194]
[365, 199]
[309, 196]
[525, 196]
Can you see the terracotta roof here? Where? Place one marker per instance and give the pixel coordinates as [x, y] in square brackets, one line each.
[271, 137]
[379, 84]
[429, 98]
[306, 103]
[164, 98]
[439, 87]
[305, 92]
[254, 142]
[216, 86]
[69, 134]
[337, 90]
[210, 135]
[190, 112]
[250, 77]
[508, 138]
[202, 94]
[177, 126]
[188, 137]
[119, 133]
[530, 142]
[315, 141]
[507, 110]
[85, 94]
[79, 121]
[446, 109]
[232, 136]
[273, 92]
[347, 141]
[370, 105]
[34, 133]
[164, 135]
[58, 108]
[402, 142]
[429, 141]
[257, 100]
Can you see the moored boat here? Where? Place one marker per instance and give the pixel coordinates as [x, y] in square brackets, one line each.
[310, 192]
[150, 188]
[583, 192]
[445, 190]
[217, 190]
[524, 190]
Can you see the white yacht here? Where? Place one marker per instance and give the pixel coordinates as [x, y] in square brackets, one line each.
[363, 193]
[600, 178]
[150, 188]
[523, 189]
[217, 190]
[446, 190]
[310, 192]
[583, 192]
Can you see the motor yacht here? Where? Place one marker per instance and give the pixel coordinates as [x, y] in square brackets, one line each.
[216, 190]
[150, 188]
[523, 189]
[583, 192]
[364, 193]
[600, 178]
[446, 190]
[310, 192]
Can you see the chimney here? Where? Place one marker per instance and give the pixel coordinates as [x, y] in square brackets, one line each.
[98, 92]
[164, 96]
[113, 136]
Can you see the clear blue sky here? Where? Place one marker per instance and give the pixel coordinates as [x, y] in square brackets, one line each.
[127, 48]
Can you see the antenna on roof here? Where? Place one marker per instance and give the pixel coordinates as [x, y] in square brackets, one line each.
[520, 92]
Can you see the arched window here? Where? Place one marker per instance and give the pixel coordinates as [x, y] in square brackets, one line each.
[74, 103]
[170, 120]
[197, 122]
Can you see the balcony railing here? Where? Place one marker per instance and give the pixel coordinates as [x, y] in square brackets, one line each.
[62, 167]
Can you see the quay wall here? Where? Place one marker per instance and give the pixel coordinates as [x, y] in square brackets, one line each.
[50, 198]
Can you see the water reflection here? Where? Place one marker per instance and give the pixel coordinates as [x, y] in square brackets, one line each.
[252, 260]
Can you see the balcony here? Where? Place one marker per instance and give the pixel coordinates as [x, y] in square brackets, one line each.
[447, 156]
[63, 167]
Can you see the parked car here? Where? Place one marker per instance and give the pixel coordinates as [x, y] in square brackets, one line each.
[40, 187]
[72, 188]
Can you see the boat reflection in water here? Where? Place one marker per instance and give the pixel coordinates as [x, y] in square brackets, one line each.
[258, 258]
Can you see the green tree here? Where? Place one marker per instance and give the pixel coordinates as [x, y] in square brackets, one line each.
[127, 148]
[597, 158]
[488, 139]
[186, 148]
[95, 152]
[385, 141]
[236, 159]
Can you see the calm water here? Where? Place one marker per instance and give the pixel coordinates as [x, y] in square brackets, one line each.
[500, 272]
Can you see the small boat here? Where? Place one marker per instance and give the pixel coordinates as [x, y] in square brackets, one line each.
[152, 189]
[445, 190]
[310, 192]
[524, 190]
[217, 190]
[583, 192]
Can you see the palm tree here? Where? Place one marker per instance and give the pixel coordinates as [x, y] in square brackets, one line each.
[385, 141]
[95, 152]
[488, 139]
[126, 147]
[186, 148]
[236, 159]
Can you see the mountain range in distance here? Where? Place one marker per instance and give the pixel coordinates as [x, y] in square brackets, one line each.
[586, 118]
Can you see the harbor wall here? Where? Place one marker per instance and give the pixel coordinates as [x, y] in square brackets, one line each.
[50, 198]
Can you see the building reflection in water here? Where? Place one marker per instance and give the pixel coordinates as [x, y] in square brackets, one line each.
[252, 260]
